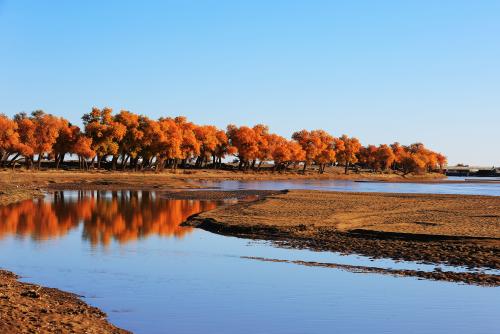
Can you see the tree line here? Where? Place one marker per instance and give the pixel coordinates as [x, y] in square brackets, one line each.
[130, 141]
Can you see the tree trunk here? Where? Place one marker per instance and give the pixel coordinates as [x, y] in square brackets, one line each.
[124, 161]
[14, 158]
[113, 162]
[39, 163]
[60, 159]
[346, 167]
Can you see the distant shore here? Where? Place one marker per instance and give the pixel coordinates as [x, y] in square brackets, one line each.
[26, 184]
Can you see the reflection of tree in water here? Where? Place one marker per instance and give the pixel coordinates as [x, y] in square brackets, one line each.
[120, 215]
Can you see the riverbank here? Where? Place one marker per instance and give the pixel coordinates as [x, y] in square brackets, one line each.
[456, 230]
[29, 308]
[23, 184]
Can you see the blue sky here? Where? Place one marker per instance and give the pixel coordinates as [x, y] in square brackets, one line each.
[379, 70]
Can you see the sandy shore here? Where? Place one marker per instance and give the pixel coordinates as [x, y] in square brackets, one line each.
[442, 229]
[23, 184]
[29, 308]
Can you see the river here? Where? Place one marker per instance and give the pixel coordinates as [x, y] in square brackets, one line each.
[126, 254]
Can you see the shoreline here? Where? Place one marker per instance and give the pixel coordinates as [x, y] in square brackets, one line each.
[27, 307]
[23, 184]
[386, 233]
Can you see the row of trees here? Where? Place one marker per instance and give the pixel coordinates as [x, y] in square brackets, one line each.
[128, 140]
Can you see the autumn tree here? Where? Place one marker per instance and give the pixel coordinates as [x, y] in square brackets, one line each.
[245, 141]
[37, 134]
[169, 143]
[104, 132]
[83, 149]
[367, 156]
[129, 145]
[9, 138]
[207, 138]
[223, 147]
[347, 150]
[66, 141]
[72, 140]
[399, 153]
[441, 160]
[310, 145]
[384, 157]
[318, 147]
[262, 137]
[190, 147]
[152, 136]
[25, 130]
[139, 142]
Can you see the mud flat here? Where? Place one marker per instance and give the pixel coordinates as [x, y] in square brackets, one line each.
[29, 308]
[456, 230]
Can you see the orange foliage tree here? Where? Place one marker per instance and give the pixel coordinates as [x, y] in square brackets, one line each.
[105, 133]
[9, 138]
[138, 142]
[347, 150]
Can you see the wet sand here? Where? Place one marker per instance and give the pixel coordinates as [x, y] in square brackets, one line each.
[29, 308]
[455, 230]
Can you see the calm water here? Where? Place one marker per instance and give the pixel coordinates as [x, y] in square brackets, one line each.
[125, 252]
[471, 188]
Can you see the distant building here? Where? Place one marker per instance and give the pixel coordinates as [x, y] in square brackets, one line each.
[465, 170]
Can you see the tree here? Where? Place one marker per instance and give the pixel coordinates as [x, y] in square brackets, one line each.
[367, 156]
[9, 138]
[83, 148]
[310, 145]
[104, 132]
[26, 130]
[169, 143]
[399, 154]
[442, 161]
[190, 147]
[130, 144]
[244, 140]
[45, 133]
[223, 147]
[384, 157]
[318, 147]
[262, 138]
[152, 135]
[66, 141]
[206, 136]
[347, 150]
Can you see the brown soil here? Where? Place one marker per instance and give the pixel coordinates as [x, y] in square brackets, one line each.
[28, 308]
[450, 229]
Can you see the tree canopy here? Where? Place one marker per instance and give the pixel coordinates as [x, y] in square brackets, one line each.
[129, 140]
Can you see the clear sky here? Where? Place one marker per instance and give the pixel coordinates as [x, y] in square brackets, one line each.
[382, 71]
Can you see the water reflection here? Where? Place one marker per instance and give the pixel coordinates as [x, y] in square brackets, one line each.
[123, 216]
